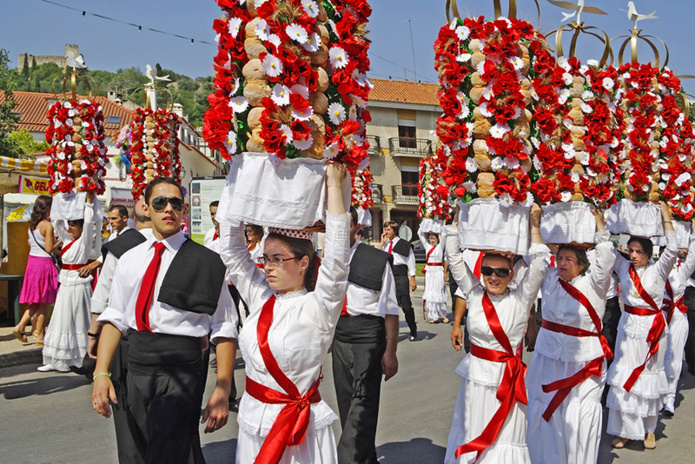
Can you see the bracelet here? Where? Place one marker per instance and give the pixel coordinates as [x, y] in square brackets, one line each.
[96, 335]
[101, 375]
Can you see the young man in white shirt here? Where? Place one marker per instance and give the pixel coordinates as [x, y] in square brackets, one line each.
[168, 294]
[211, 235]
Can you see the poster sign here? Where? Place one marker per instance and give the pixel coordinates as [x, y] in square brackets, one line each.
[34, 185]
[122, 196]
[203, 191]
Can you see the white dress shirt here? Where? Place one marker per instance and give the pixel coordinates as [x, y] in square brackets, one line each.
[114, 235]
[361, 300]
[100, 298]
[399, 259]
[163, 318]
[209, 237]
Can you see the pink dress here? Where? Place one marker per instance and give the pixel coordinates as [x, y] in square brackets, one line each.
[41, 276]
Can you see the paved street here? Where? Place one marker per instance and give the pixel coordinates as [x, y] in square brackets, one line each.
[47, 418]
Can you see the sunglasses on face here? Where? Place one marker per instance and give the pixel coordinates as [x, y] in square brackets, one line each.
[499, 271]
[160, 203]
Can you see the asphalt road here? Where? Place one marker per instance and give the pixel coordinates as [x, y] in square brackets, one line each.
[47, 418]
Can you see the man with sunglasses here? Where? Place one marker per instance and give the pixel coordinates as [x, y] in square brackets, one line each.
[168, 294]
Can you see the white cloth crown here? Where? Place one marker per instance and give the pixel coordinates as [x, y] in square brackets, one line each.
[294, 233]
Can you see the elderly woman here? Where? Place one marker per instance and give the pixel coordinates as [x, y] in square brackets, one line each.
[568, 370]
[489, 420]
[293, 315]
[434, 298]
[637, 377]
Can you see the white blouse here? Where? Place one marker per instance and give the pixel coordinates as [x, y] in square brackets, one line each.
[303, 322]
[437, 255]
[78, 253]
[560, 307]
[681, 272]
[512, 309]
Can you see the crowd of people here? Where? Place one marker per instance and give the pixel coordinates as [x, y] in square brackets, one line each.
[161, 303]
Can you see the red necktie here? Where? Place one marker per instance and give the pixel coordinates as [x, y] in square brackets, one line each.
[390, 246]
[344, 311]
[144, 301]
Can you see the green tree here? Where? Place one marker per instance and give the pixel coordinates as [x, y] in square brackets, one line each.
[23, 144]
[7, 118]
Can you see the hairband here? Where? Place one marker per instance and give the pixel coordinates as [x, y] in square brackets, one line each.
[294, 233]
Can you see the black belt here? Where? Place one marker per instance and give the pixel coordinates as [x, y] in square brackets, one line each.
[363, 328]
[154, 353]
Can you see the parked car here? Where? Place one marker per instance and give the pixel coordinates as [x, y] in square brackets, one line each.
[419, 251]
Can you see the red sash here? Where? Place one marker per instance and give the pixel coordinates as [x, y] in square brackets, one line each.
[655, 331]
[67, 247]
[511, 389]
[564, 386]
[72, 267]
[290, 426]
[478, 265]
[427, 258]
[670, 306]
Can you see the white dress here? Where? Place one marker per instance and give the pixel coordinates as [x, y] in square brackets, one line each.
[678, 327]
[634, 413]
[434, 295]
[65, 343]
[477, 401]
[573, 433]
[299, 337]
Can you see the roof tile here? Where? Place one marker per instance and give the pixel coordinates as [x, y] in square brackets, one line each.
[404, 92]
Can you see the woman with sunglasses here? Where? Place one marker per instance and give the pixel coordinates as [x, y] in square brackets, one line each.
[489, 420]
[637, 377]
[434, 299]
[568, 371]
[293, 314]
[65, 343]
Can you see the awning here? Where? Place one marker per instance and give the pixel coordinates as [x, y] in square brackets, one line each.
[11, 168]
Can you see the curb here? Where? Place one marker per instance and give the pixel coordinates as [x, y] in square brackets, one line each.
[19, 358]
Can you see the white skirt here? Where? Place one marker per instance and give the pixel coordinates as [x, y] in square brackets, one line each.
[673, 363]
[434, 295]
[65, 343]
[573, 434]
[475, 406]
[319, 447]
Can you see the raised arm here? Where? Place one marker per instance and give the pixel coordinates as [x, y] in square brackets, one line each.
[670, 255]
[463, 276]
[538, 266]
[602, 268]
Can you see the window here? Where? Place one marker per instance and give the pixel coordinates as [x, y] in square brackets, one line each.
[409, 183]
[406, 137]
[113, 120]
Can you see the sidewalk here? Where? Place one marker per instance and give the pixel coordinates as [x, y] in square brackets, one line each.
[14, 353]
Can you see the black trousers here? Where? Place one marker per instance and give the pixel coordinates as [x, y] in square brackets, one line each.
[164, 389]
[403, 297]
[357, 378]
[611, 319]
[689, 301]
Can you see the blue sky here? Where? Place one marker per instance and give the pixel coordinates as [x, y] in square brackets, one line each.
[39, 28]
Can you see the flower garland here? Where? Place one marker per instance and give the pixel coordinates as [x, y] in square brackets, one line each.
[77, 152]
[433, 193]
[657, 159]
[361, 188]
[483, 69]
[576, 126]
[154, 147]
[291, 79]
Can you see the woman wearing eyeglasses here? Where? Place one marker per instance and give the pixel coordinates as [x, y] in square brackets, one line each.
[637, 377]
[65, 343]
[568, 371]
[489, 420]
[293, 313]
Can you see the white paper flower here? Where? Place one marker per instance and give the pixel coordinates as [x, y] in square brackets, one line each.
[304, 114]
[235, 87]
[587, 95]
[303, 144]
[484, 111]
[331, 151]
[497, 131]
[311, 8]
[262, 29]
[471, 165]
[565, 197]
[564, 96]
[496, 164]
[338, 57]
[285, 129]
[564, 64]
[61, 155]
[280, 95]
[313, 43]
[462, 32]
[352, 113]
[336, 113]
[685, 177]
[517, 62]
[274, 39]
[470, 186]
[69, 123]
[239, 104]
[529, 200]
[592, 62]
[587, 109]
[584, 158]
[67, 105]
[608, 83]
[463, 57]
[272, 65]
[465, 111]
[301, 90]
[575, 177]
[231, 142]
[511, 163]
[297, 33]
[506, 200]
[233, 26]
[662, 186]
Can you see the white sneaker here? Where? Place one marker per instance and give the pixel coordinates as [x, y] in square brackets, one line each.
[46, 368]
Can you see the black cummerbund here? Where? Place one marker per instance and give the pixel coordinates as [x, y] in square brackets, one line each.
[152, 353]
[360, 329]
[400, 270]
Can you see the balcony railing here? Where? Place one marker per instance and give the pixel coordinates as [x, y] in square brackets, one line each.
[377, 193]
[409, 146]
[404, 195]
[374, 144]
